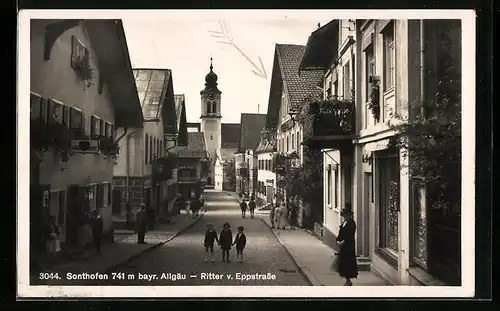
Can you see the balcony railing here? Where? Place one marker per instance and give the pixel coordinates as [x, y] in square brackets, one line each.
[163, 167]
[328, 120]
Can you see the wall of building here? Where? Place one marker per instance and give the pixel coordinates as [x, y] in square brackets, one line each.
[265, 175]
[56, 79]
[374, 139]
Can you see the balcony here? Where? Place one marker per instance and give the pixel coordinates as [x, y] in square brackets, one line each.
[328, 123]
[163, 167]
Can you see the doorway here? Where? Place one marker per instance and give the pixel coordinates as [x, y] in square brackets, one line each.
[367, 207]
[117, 202]
[147, 197]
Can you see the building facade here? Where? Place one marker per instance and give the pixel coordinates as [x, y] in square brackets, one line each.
[392, 70]
[192, 171]
[266, 184]
[137, 174]
[289, 88]
[251, 126]
[77, 102]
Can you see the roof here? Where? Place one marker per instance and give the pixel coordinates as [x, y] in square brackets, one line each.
[230, 135]
[298, 84]
[265, 146]
[250, 129]
[321, 48]
[110, 44]
[151, 85]
[196, 146]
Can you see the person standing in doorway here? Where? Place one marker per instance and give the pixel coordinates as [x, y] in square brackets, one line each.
[347, 264]
[97, 226]
[142, 224]
[251, 206]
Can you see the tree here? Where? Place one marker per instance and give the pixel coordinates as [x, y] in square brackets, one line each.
[431, 137]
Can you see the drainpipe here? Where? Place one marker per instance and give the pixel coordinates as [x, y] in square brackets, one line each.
[127, 182]
[422, 69]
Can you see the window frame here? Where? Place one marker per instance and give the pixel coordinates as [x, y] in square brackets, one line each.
[389, 53]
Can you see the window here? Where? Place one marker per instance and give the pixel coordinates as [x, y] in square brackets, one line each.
[335, 89]
[209, 107]
[107, 129]
[335, 187]
[369, 69]
[95, 126]
[287, 143]
[55, 111]
[293, 141]
[347, 81]
[388, 205]
[100, 195]
[76, 119]
[92, 198]
[78, 51]
[329, 188]
[419, 224]
[298, 141]
[106, 196]
[35, 106]
[102, 127]
[150, 149]
[146, 149]
[214, 107]
[389, 54]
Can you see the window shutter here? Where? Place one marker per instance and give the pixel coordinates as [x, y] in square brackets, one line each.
[66, 116]
[35, 111]
[113, 131]
[44, 109]
[107, 130]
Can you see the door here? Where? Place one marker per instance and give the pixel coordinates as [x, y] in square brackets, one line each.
[116, 203]
[367, 207]
[147, 197]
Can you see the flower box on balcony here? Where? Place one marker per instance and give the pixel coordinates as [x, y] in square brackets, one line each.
[331, 119]
[163, 167]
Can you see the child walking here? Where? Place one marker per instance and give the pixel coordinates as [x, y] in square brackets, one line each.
[210, 238]
[225, 241]
[240, 241]
[243, 206]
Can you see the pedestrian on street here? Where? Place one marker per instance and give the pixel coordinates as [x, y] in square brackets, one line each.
[225, 241]
[210, 239]
[251, 206]
[141, 224]
[243, 206]
[280, 215]
[53, 244]
[293, 206]
[240, 241]
[203, 204]
[272, 214]
[181, 203]
[347, 264]
[97, 226]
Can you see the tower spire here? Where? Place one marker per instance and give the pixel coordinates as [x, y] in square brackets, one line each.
[211, 67]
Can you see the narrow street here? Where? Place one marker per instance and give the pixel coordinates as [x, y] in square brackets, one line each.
[185, 254]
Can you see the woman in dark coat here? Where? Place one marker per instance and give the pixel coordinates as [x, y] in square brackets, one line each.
[225, 241]
[347, 264]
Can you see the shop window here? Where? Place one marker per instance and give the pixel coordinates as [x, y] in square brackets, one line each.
[418, 224]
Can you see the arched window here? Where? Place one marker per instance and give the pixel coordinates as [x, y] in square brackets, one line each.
[214, 107]
[146, 155]
[209, 107]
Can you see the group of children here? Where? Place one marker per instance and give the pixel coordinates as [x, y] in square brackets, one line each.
[225, 241]
[251, 206]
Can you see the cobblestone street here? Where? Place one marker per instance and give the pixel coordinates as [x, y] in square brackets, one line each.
[185, 254]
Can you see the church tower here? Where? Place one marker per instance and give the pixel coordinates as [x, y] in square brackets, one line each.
[211, 118]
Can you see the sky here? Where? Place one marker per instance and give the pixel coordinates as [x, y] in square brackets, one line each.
[184, 43]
